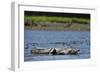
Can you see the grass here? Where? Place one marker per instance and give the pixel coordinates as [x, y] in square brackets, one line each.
[51, 23]
[56, 19]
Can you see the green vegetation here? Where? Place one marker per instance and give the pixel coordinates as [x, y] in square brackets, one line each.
[56, 19]
[56, 23]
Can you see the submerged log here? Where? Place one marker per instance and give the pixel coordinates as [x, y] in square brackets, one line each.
[55, 51]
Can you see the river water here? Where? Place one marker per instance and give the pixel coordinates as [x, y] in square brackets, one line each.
[56, 39]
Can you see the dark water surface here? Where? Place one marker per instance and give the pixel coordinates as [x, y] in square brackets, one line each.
[56, 39]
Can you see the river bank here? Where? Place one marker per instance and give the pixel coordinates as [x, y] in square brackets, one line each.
[58, 26]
